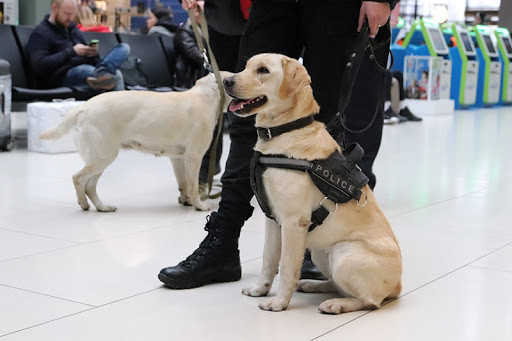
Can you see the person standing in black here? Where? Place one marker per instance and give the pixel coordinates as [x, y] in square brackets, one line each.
[323, 33]
[226, 22]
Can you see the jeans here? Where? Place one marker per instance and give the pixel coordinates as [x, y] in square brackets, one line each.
[77, 76]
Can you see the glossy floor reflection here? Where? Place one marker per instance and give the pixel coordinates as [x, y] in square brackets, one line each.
[65, 274]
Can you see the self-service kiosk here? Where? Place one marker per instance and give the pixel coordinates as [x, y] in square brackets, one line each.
[426, 39]
[505, 49]
[489, 75]
[464, 67]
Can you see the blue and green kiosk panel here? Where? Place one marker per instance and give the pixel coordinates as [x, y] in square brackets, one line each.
[465, 67]
[489, 75]
[505, 49]
[426, 39]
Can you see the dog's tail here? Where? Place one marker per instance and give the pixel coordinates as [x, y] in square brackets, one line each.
[63, 127]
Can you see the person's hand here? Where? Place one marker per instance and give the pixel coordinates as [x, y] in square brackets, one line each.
[92, 51]
[81, 49]
[377, 14]
[187, 4]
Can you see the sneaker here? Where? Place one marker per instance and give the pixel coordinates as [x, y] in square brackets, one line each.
[103, 82]
[390, 117]
[405, 112]
[216, 260]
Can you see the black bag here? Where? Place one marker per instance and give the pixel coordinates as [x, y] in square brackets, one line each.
[132, 73]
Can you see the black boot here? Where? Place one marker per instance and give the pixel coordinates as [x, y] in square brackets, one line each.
[216, 260]
[309, 270]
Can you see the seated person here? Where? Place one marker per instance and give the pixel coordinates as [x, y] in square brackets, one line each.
[189, 59]
[160, 22]
[59, 55]
[398, 111]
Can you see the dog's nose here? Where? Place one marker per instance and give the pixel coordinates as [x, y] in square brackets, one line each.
[229, 82]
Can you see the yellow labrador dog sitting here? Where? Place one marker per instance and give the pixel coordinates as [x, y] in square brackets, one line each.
[178, 125]
[354, 246]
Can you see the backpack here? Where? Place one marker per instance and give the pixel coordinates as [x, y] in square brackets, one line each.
[132, 72]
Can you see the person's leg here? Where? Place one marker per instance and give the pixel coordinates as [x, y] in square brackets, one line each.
[119, 81]
[329, 29]
[77, 76]
[399, 76]
[272, 27]
[113, 60]
[404, 110]
[367, 103]
[394, 94]
[105, 74]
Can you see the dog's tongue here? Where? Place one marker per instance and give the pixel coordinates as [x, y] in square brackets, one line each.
[237, 104]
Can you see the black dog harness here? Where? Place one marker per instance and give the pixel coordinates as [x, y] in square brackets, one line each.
[338, 177]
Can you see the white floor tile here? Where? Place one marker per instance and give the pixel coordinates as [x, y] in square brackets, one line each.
[219, 312]
[21, 309]
[470, 304]
[113, 269]
[499, 260]
[15, 244]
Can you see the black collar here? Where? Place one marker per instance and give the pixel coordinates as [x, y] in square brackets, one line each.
[268, 133]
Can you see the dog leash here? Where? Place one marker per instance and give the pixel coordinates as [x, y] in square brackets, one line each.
[213, 67]
[361, 45]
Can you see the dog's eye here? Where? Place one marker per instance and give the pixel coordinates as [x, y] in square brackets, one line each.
[263, 70]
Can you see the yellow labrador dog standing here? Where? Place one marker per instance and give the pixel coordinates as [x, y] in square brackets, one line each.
[355, 246]
[179, 125]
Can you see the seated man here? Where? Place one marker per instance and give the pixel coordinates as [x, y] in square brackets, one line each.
[59, 55]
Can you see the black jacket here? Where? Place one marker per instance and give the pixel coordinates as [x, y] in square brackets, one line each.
[224, 16]
[189, 60]
[51, 53]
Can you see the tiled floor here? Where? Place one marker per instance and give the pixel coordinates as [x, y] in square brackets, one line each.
[65, 274]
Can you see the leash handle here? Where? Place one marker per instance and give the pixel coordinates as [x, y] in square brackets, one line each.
[362, 44]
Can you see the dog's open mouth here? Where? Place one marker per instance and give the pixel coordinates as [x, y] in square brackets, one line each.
[245, 106]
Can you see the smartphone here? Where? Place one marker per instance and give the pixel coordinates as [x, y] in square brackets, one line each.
[94, 42]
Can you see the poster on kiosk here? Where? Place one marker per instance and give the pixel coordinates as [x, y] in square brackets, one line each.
[9, 12]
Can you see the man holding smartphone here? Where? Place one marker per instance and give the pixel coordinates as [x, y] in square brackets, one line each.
[60, 56]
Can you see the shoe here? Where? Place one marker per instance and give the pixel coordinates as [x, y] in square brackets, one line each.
[309, 270]
[401, 119]
[390, 117]
[216, 260]
[405, 112]
[103, 82]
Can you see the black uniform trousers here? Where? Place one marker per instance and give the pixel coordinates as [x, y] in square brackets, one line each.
[322, 31]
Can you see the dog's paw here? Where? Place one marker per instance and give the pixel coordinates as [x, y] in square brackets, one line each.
[256, 290]
[334, 306]
[183, 200]
[106, 208]
[85, 206]
[202, 206]
[273, 304]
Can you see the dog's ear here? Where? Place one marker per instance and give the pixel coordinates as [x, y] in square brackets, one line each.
[295, 77]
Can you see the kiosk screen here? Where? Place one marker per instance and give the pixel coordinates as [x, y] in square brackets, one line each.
[507, 44]
[489, 45]
[466, 42]
[438, 41]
